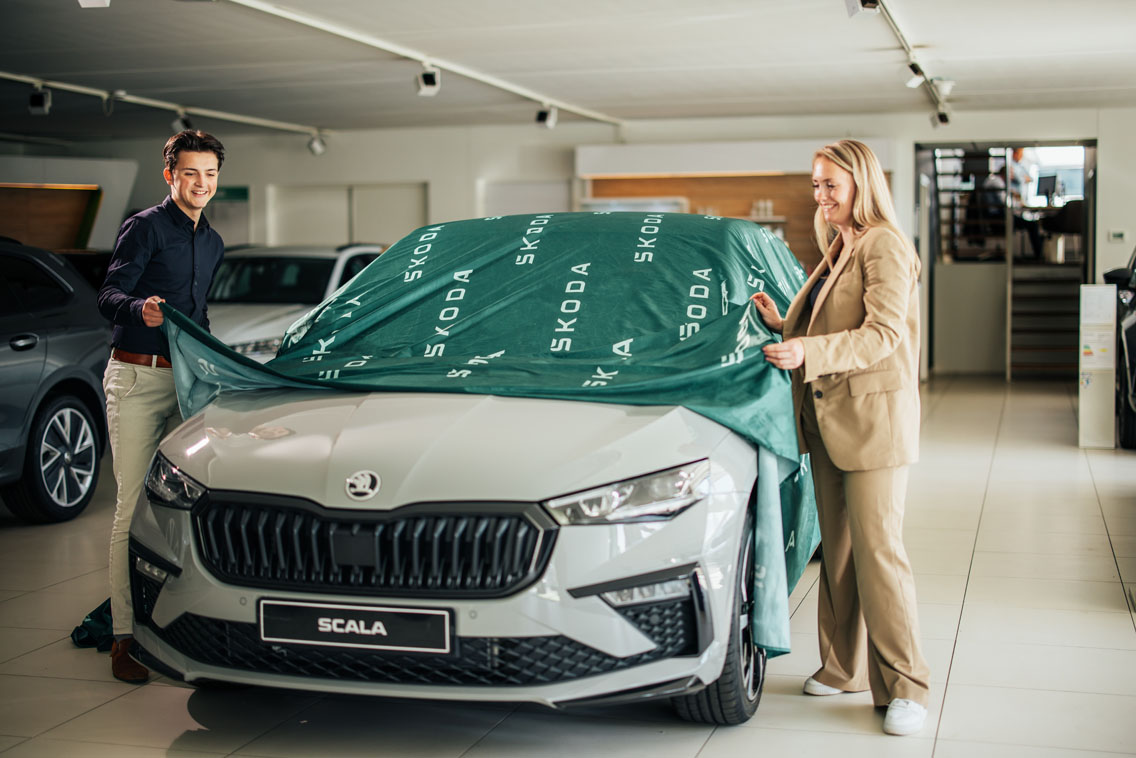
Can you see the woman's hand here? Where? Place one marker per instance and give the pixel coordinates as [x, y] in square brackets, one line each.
[787, 355]
[767, 309]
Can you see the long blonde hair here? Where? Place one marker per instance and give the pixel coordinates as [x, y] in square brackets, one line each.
[872, 205]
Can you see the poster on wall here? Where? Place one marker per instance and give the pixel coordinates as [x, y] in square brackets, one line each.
[229, 214]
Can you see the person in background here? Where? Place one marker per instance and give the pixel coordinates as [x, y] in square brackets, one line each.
[851, 340]
[994, 189]
[167, 253]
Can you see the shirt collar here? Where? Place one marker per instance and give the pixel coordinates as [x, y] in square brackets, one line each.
[177, 215]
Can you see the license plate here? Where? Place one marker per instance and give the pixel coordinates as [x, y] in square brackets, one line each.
[416, 630]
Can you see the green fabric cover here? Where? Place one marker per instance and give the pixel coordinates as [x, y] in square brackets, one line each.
[634, 308]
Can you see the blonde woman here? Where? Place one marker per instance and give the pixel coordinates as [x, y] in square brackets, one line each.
[851, 339]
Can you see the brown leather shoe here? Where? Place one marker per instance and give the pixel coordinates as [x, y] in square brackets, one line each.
[124, 667]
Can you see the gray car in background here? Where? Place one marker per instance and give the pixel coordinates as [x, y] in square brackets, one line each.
[54, 346]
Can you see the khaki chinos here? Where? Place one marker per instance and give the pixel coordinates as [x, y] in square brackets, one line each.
[866, 613]
[856, 399]
[142, 406]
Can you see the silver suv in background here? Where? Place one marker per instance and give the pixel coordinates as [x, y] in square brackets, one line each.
[259, 292]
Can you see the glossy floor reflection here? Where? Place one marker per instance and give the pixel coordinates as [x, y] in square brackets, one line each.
[1024, 549]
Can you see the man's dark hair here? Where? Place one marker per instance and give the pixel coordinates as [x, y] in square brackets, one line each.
[192, 141]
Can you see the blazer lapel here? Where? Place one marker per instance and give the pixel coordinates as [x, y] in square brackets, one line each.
[798, 306]
[841, 263]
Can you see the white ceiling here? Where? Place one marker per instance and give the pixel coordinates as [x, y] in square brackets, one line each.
[629, 59]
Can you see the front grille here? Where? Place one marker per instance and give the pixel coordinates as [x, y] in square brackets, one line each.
[287, 544]
[476, 661]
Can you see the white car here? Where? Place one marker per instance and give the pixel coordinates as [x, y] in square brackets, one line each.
[481, 544]
[259, 291]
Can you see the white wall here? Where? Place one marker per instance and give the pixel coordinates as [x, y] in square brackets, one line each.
[970, 319]
[456, 163]
[1116, 186]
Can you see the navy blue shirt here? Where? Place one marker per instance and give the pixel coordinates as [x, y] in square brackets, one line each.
[158, 252]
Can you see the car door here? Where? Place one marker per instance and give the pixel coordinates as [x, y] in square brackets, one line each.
[23, 350]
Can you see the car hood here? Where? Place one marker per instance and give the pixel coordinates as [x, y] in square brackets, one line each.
[429, 446]
[233, 323]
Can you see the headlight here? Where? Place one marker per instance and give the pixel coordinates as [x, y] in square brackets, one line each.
[258, 350]
[655, 497]
[167, 485]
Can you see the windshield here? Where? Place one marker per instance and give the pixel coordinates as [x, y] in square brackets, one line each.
[263, 279]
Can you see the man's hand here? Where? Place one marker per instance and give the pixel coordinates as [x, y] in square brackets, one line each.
[787, 355]
[151, 313]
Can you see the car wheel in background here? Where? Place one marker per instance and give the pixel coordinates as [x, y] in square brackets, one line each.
[1126, 417]
[61, 465]
[733, 697]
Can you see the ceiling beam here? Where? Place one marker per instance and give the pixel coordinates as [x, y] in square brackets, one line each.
[927, 84]
[109, 97]
[394, 48]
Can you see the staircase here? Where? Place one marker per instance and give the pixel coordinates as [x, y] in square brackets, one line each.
[1045, 302]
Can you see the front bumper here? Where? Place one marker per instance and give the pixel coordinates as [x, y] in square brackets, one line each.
[545, 643]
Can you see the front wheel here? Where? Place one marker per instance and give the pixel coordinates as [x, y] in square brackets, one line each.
[61, 465]
[733, 697]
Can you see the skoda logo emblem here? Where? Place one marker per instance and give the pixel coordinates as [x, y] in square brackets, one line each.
[363, 485]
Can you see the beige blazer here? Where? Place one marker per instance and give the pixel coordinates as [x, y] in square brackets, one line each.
[861, 345]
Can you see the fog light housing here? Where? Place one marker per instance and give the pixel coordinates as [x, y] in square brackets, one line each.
[150, 571]
[671, 589]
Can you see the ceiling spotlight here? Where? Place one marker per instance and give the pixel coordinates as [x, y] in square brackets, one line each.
[181, 123]
[546, 116]
[39, 102]
[917, 75]
[317, 145]
[943, 86]
[429, 81]
[940, 118]
[862, 6]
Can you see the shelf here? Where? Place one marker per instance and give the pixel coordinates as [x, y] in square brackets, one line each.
[763, 219]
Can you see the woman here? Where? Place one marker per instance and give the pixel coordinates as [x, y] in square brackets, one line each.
[851, 339]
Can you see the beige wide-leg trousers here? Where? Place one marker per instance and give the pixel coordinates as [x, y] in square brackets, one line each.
[866, 613]
[141, 406]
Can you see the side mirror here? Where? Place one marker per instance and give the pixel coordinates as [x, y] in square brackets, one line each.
[1121, 277]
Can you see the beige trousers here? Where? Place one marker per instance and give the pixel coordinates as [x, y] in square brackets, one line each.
[866, 613]
[141, 406]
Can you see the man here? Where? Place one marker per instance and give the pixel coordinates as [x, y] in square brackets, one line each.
[167, 253]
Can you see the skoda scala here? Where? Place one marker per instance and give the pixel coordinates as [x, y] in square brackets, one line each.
[427, 498]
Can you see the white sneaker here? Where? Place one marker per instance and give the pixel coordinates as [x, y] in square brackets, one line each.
[813, 687]
[904, 717]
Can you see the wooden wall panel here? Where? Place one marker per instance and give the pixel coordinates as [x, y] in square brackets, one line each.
[792, 196]
[55, 219]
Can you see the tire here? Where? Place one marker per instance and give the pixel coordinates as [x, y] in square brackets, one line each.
[61, 465]
[1125, 416]
[734, 696]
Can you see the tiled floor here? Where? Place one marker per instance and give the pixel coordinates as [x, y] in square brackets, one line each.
[1023, 546]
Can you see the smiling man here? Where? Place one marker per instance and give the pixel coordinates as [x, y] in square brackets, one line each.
[167, 253]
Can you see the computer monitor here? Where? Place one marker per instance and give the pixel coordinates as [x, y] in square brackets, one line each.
[1047, 186]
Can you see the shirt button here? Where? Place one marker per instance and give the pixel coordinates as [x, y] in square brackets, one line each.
[818, 394]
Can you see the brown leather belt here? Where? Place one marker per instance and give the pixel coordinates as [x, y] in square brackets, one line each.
[140, 359]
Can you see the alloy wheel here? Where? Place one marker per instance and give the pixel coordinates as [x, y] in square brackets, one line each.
[67, 459]
[749, 652]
